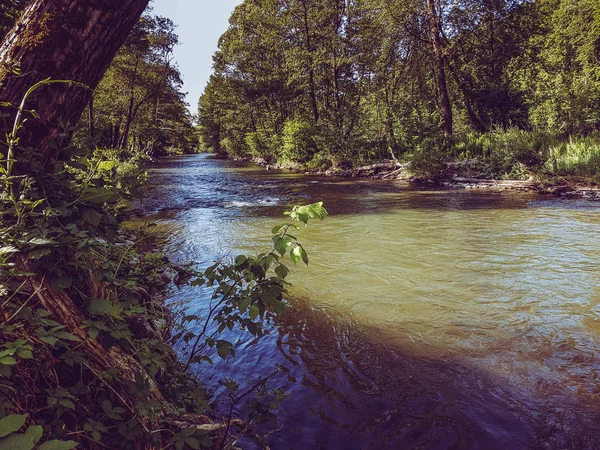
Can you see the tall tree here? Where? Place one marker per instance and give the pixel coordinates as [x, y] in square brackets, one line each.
[436, 40]
[64, 40]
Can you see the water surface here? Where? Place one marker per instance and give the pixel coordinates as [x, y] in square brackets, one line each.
[427, 318]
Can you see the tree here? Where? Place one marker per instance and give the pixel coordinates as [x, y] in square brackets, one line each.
[138, 106]
[72, 40]
[436, 40]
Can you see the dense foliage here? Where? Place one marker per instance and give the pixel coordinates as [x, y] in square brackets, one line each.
[86, 343]
[319, 82]
[139, 107]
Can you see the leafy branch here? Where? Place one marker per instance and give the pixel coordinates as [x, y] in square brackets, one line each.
[246, 289]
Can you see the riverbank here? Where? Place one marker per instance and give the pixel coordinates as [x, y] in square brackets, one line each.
[457, 174]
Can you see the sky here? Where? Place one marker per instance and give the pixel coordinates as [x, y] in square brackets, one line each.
[200, 23]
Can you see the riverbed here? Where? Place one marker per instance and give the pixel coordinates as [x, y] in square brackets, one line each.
[427, 318]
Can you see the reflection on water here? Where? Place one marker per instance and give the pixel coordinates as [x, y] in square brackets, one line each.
[427, 319]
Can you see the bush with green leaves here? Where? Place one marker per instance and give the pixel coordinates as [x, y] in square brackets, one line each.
[263, 145]
[15, 436]
[577, 157]
[299, 143]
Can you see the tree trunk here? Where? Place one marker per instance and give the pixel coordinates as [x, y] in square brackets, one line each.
[92, 128]
[389, 123]
[476, 121]
[64, 40]
[311, 71]
[125, 136]
[436, 40]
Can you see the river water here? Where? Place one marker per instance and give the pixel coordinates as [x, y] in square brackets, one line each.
[427, 319]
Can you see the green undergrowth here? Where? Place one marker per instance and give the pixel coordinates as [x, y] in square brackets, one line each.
[86, 342]
[501, 153]
[509, 154]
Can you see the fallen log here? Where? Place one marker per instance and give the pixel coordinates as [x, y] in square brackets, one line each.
[392, 173]
[513, 183]
[379, 166]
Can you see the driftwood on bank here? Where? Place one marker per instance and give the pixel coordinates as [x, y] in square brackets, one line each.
[379, 166]
[499, 183]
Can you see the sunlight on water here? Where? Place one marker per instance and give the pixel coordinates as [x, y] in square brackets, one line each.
[426, 318]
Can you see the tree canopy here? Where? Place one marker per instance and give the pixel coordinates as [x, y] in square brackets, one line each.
[302, 80]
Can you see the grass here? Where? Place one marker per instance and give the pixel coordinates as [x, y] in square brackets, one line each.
[577, 157]
[515, 153]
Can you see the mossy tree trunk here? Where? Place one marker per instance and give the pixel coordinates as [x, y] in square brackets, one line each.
[64, 40]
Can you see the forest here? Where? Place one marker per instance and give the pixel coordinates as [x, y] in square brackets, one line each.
[514, 83]
[426, 309]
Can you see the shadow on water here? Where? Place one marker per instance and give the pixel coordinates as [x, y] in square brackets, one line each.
[432, 319]
[353, 390]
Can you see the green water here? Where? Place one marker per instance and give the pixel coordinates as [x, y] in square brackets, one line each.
[426, 319]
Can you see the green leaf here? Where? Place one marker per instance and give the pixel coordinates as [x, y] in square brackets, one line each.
[66, 336]
[106, 166]
[282, 271]
[8, 352]
[25, 353]
[67, 404]
[42, 241]
[240, 260]
[224, 349]
[17, 442]
[37, 254]
[277, 229]
[11, 424]
[253, 313]
[304, 256]
[193, 443]
[100, 307]
[296, 254]
[8, 361]
[8, 249]
[91, 216]
[58, 445]
[35, 432]
[99, 196]
[60, 283]
[303, 217]
[48, 340]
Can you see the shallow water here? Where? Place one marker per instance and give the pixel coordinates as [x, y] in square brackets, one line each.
[427, 318]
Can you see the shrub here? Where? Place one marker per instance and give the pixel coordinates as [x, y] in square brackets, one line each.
[429, 159]
[298, 141]
[263, 145]
[509, 152]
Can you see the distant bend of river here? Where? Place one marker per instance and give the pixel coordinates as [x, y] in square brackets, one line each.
[427, 319]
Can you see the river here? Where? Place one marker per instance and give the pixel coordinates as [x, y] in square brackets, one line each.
[427, 318]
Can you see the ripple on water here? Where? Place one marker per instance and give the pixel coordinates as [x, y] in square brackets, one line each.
[427, 319]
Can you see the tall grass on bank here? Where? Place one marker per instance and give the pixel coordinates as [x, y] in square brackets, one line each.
[513, 152]
[578, 157]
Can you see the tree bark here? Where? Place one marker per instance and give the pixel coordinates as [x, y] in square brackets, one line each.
[64, 40]
[311, 71]
[91, 120]
[436, 40]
